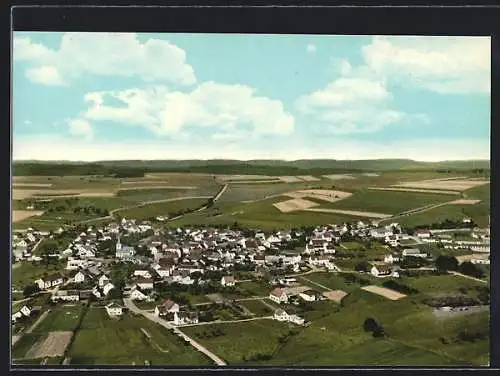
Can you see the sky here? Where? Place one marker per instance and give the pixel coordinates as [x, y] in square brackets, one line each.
[107, 96]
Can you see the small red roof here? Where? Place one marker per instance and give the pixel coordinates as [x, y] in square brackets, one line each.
[278, 292]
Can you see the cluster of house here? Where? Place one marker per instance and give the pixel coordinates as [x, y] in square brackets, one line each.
[24, 243]
[183, 255]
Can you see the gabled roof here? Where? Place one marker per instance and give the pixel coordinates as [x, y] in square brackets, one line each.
[278, 292]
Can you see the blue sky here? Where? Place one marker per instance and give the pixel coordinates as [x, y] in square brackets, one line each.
[96, 96]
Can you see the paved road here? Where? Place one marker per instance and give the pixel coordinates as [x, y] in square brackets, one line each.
[229, 321]
[469, 277]
[130, 305]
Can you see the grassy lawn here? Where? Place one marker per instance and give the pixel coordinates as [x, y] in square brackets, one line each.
[256, 307]
[60, 319]
[338, 338]
[441, 284]
[106, 341]
[240, 341]
[27, 273]
[331, 280]
[164, 208]
[25, 343]
[477, 212]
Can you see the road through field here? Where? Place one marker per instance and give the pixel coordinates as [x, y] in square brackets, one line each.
[317, 284]
[131, 306]
[468, 276]
[416, 211]
[228, 321]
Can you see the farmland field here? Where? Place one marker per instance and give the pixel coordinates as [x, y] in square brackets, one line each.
[256, 307]
[386, 202]
[60, 318]
[102, 340]
[260, 337]
[163, 208]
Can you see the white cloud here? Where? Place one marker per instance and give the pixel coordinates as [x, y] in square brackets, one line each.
[440, 64]
[311, 48]
[109, 54]
[80, 128]
[227, 108]
[344, 149]
[351, 105]
[45, 75]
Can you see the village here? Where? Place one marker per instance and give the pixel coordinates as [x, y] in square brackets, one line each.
[215, 260]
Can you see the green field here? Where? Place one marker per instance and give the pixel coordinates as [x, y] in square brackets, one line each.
[441, 284]
[386, 202]
[25, 343]
[241, 340]
[60, 318]
[27, 273]
[479, 212]
[259, 215]
[163, 208]
[256, 307]
[102, 340]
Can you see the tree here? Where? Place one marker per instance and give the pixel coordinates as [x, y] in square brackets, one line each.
[379, 332]
[469, 268]
[445, 263]
[370, 325]
[362, 267]
[30, 290]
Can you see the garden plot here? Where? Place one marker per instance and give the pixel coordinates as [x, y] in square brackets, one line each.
[453, 185]
[308, 178]
[336, 295]
[54, 345]
[19, 215]
[294, 205]
[382, 291]
[338, 177]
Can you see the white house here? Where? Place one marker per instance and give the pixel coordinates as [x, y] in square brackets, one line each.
[49, 281]
[137, 294]
[390, 259]
[423, 234]
[79, 277]
[483, 259]
[103, 280]
[296, 319]
[281, 315]
[227, 281]
[381, 270]
[168, 306]
[26, 311]
[107, 288]
[414, 252]
[114, 310]
[142, 273]
[184, 318]
[278, 295]
[145, 283]
[66, 295]
[308, 296]
[76, 264]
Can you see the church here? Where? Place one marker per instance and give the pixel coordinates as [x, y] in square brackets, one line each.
[123, 251]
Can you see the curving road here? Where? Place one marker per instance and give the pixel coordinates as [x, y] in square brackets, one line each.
[132, 307]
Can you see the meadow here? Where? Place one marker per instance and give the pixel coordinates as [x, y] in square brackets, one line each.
[102, 341]
[60, 318]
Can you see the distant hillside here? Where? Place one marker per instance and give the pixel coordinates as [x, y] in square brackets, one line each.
[131, 168]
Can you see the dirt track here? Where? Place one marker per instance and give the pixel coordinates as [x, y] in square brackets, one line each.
[308, 178]
[338, 177]
[386, 293]
[352, 212]
[416, 190]
[140, 188]
[464, 202]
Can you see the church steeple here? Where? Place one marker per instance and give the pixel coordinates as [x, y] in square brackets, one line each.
[118, 244]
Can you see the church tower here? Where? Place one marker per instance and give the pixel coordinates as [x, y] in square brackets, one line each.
[118, 244]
